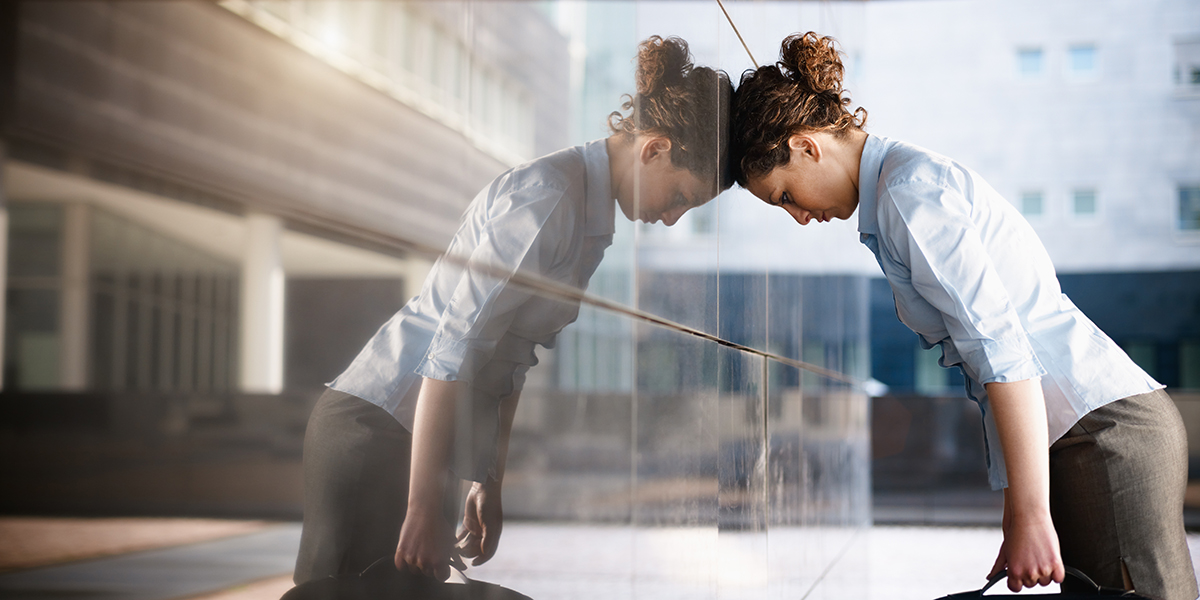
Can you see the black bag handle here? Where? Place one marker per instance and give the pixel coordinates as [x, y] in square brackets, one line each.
[387, 560]
[1072, 571]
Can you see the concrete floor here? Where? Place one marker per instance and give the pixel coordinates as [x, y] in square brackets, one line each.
[230, 560]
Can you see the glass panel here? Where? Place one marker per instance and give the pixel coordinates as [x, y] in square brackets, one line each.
[155, 311]
[695, 429]
[35, 240]
[32, 348]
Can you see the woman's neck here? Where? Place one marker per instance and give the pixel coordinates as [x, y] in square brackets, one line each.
[621, 159]
[849, 152]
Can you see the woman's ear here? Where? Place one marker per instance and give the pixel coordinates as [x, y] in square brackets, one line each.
[654, 147]
[806, 145]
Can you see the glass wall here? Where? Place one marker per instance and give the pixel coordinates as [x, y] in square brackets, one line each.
[697, 403]
[702, 415]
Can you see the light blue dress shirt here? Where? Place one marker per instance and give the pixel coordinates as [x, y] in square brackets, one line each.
[552, 217]
[969, 274]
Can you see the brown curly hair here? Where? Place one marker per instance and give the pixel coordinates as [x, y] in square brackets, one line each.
[802, 92]
[688, 105]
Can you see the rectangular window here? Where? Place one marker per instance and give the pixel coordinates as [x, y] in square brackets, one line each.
[1029, 63]
[35, 266]
[1189, 364]
[1187, 64]
[1084, 202]
[930, 377]
[704, 219]
[1145, 354]
[1082, 59]
[1031, 204]
[1189, 207]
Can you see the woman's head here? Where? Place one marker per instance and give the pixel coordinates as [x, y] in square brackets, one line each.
[678, 120]
[802, 93]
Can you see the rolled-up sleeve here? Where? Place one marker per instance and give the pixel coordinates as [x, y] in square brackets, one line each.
[521, 235]
[933, 234]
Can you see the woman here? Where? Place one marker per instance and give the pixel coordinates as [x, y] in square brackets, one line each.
[970, 275]
[450, 365]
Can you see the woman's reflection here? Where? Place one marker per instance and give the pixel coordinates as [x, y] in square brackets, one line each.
[450, 365]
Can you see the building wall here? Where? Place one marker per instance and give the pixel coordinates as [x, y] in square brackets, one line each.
[1121, 124]
[195, 94]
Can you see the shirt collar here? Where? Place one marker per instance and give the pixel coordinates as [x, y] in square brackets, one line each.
[868, 183]
[600, 209]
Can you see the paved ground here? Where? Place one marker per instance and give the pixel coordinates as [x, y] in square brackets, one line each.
[252, 561]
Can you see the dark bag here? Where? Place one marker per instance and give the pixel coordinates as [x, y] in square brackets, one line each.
[1093, 590]
[382, 581]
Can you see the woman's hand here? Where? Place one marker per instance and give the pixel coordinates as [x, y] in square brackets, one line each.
[483, 519]
[1033, 556]
[1029, 552]
[425, 544]
[1030, 549]
[426, 538]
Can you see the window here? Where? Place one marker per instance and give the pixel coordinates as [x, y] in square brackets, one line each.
[1029, 63]
[1189, 364]
[1189, 207]
[930, 377]
[1031, 204]
[32, 338]
[1145, 354]
[1081, 60]
[704, 219]
[1083, 202]
[1187, 64]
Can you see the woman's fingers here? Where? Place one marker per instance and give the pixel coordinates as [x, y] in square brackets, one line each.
[1001, 562]
[1044, 574]
[490, 542]
[468, 545]
[425, 546]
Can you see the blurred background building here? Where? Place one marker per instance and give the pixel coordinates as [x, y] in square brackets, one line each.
[193, 192]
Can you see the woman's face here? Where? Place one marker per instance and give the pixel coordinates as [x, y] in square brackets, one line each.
[662, 192]
[811, 186]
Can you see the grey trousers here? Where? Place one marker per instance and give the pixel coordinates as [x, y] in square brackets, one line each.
[1117, 481]
[356, 468]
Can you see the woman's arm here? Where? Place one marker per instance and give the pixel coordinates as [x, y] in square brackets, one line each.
[483, 516]
[425, 544]
[1030, 549]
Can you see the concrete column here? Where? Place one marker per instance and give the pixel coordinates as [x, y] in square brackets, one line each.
[74, 340]
[261, 319]
[3, 248]
[3, 272]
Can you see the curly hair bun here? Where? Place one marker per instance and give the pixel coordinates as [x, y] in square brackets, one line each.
[661, 63]
[812, 61]
[801, 92]
[686, 103]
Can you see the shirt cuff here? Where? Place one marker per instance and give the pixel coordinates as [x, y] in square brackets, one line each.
[446, 360]
[1004, 361]
[993, 452]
